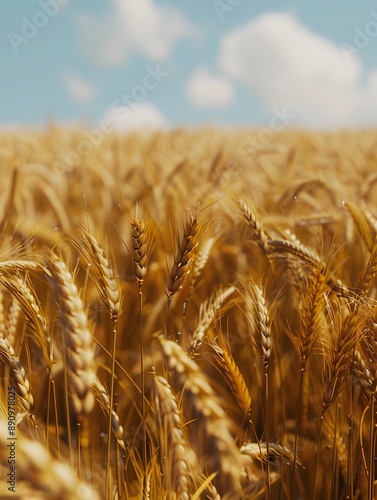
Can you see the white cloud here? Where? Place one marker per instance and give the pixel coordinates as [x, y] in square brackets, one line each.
[140, 26]
[143, 116]
[285, 64]
[208, 91]
[79, 89]
[365, 113]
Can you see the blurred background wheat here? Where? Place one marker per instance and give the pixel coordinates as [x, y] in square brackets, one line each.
[178, 321]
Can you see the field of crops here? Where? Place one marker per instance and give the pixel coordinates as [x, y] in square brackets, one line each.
[188, 316]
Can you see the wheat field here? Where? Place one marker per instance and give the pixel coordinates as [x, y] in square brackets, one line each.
[185, 317]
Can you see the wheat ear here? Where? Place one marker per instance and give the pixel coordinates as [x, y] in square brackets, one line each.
[333, 435]
[48, 477]
[248, 213]
[77, 338]
[101, 393]
[17, 374]
[176, 456]
[139, 249]
[370, 218]
[198, 265]
[211, 428]
[365, 370]
[19, 265]
[26, 300]
[258, 451]
[257, 312]
[231, 373]
[183, 256]
[361, 223]
[367, 278]
[292, 193]
[12, 321]
[103, 274]
[201, 260]
[207, 315]
[258, 318]
[2, 314]
[339, 357]
[293, 246]
[365, 366]
[312, 319]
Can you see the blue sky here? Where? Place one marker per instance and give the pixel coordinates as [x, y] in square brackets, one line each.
[172, 63]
